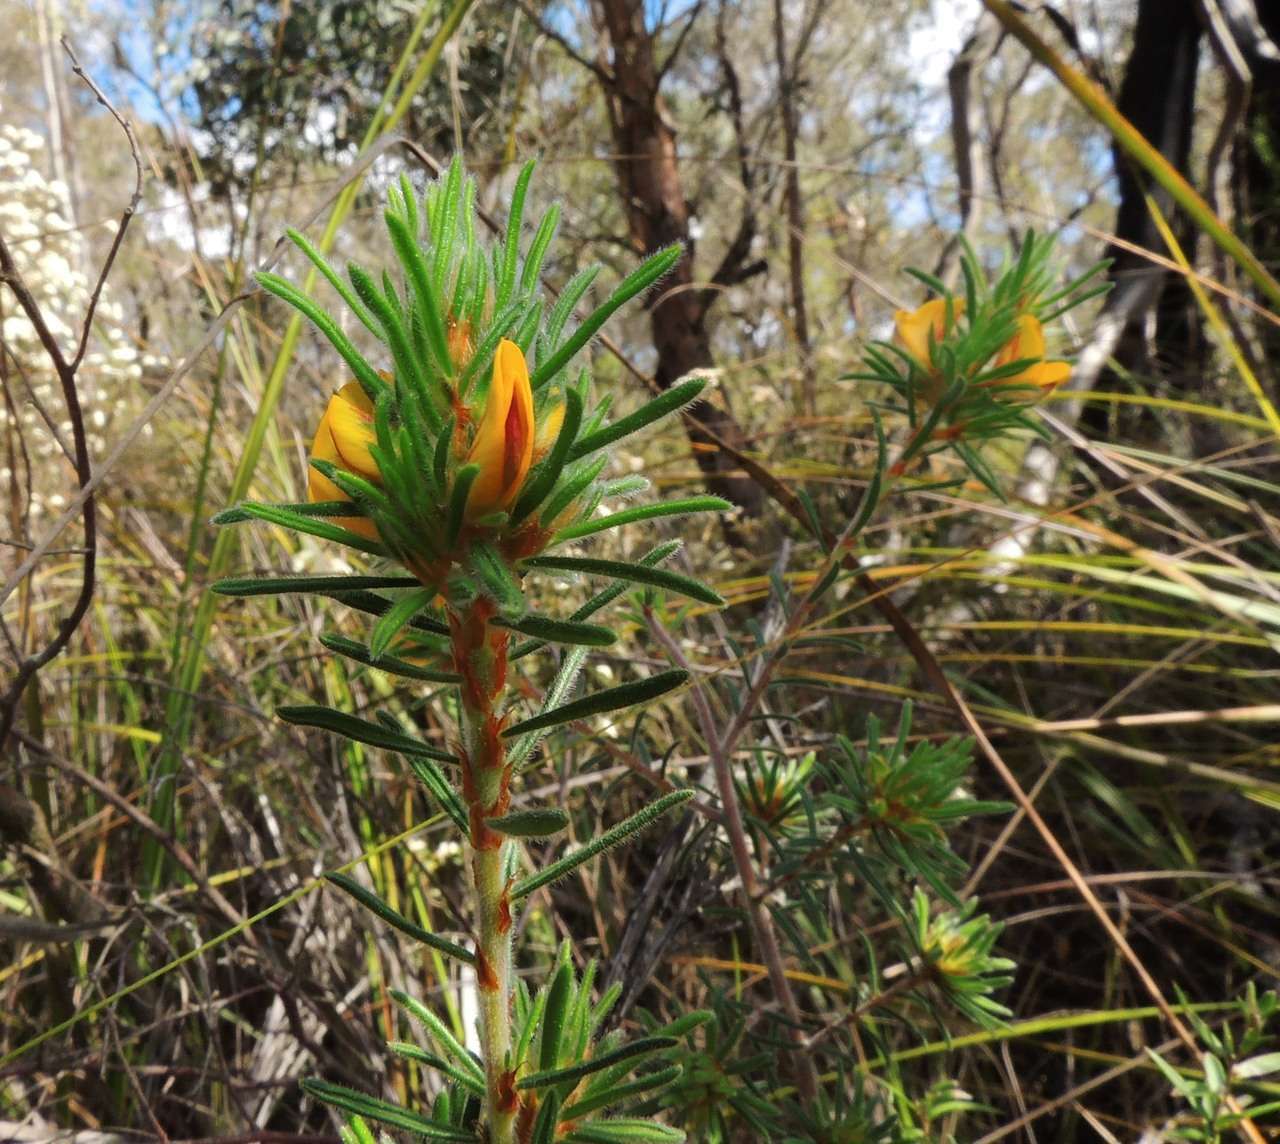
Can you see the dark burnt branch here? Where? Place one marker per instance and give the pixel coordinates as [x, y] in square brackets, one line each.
[734, 265]
[66, 370]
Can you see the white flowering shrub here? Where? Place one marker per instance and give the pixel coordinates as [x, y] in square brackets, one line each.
[52, 257]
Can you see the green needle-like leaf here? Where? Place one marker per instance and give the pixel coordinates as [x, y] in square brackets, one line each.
[617, 1094]
[393, 620]
[553, 1016]
[620, 833]
[361, 730]
[611, 699]
[558, 631]
[636, 573]
[635, 283]
[376, 905]
[624, 1130]
[321, 585]
[437, 1028]
[311, 525]
[674, 398]
[366, 375]
[392, 665]
[530, 823]
[645, 1046]
[361, 1104]
[641, 512]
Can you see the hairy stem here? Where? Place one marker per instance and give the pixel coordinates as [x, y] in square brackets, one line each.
[480, 654]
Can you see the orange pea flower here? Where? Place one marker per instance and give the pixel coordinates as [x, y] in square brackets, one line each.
[503, 444]
[917, 328]
[343, 439]
[1028, 343]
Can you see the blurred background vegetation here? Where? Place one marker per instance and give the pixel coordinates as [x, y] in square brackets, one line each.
[1113, 625]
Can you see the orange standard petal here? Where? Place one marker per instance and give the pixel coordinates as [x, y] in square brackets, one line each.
[914, 328]
[343, 439]
[1028, 344]
[503, 444]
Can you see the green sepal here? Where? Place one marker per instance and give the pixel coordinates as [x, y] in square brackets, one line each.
[320, 585]
[365, 374]
[553, 1016]
[361, 730]
[548, 472]
[362, 1104]
[558, 631]
[391, 664]
[412, 1052]
[544, 1128]
[611, 699]
[672, 399]
[635, 573]
[616, 1094]
[637, 282]
[641, 512]
[311, 525]
[644, 1047]
[451, 1046]
[499, 580]
[394, 619]
[624, 1130]
[376, 905]
[609, 838]
[530, 823]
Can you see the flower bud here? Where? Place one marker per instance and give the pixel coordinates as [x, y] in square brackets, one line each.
[503, 444]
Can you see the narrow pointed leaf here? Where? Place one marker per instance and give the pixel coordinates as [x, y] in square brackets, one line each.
[559, 631]
[642, 512]
[432, 777]
[667, 402]
[645, 1046]
[637, 282]
[376, 905]
[362, 731]
[530, 823]
[394, 619]
[320, 585]
[437, 1028]
[391, 664]
[362, 1104]
[609, 838]
[636, 573]
[365, 374]
[311, 525]
[616, 1094]
[624, 1130]
[238, 515]
[611, 699]
[499, 579]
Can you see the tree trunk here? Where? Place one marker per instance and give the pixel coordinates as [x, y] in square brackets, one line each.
[648, 173]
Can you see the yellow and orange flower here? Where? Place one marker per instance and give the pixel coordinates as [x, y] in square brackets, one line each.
[919, 330]
[916, 326]
[345, 434]
[1028, 343]
[504, 440]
